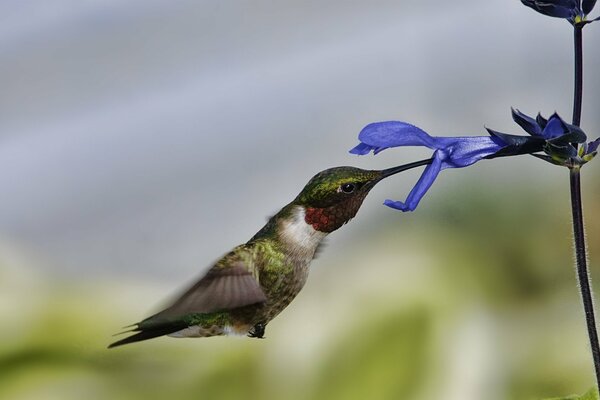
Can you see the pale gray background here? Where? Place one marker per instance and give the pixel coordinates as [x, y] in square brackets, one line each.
[142, 139]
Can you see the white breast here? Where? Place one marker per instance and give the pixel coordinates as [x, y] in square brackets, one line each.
[297, 233]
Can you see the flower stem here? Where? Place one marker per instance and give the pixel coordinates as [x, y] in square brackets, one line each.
[578, 84]
[582, 270]
[578, 228]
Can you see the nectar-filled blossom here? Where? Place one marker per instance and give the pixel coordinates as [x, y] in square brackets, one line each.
[575, 11]
[450, 152]
[562, 143]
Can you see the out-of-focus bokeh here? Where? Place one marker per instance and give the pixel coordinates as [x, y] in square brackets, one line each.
[142, 139]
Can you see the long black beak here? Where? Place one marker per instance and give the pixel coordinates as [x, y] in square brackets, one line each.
[391, 171]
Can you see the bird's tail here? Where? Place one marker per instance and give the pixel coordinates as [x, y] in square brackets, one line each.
[146, 334]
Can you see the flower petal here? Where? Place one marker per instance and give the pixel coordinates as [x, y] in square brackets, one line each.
[529, 124]
[570, 137]
[587, 6]
[361, 149]
[384, 135]
[553, 8]
[554, 128]
[557, 130]
[460, 151]
[577, 134]
[593, 146]
[422, 186]
[542, 122]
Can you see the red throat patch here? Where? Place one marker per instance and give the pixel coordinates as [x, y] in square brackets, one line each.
[329, 219]
[318, 219]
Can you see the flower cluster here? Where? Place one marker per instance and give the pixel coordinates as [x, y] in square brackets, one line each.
[562, 144]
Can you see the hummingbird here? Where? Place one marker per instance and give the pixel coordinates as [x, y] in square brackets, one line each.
[244, 290]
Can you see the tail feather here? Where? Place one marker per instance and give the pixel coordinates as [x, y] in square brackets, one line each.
[127, 331]
[145, 335]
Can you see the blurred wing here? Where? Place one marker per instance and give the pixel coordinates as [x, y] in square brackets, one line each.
[222, 288]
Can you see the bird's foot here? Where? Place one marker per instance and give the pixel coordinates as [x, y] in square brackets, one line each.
[257, 331]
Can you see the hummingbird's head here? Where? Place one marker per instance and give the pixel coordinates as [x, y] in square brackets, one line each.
[332, 197]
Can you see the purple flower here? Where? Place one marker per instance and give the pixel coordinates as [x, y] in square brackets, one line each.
[553, 136]
[450, 152]
[575, 11]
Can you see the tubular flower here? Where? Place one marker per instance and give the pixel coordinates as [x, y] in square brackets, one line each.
[450, 152]
[554, 137]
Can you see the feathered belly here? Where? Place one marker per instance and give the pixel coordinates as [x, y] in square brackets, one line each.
[281, 293]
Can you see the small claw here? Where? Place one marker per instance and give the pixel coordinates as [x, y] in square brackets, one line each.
[257, 331]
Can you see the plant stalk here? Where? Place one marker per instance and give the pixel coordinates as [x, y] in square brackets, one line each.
[582, 269]
[578, 84]
[583, 276]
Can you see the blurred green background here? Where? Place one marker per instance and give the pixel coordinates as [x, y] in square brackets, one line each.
[141, 140]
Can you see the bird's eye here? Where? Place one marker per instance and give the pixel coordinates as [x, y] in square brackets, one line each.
[348, 187]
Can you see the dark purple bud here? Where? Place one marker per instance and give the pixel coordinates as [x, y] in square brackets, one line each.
[529, 124]
[541, 121]
[516, 144]
[558, 128]
[555, 127]
[587, 6]
[593, 146]
[560, 151]
[568, 138]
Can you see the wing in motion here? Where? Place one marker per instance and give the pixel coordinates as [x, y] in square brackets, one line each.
[222, 288]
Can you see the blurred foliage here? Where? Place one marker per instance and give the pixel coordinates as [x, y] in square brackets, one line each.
[62, 357]
[591, 395]
[383, 359]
